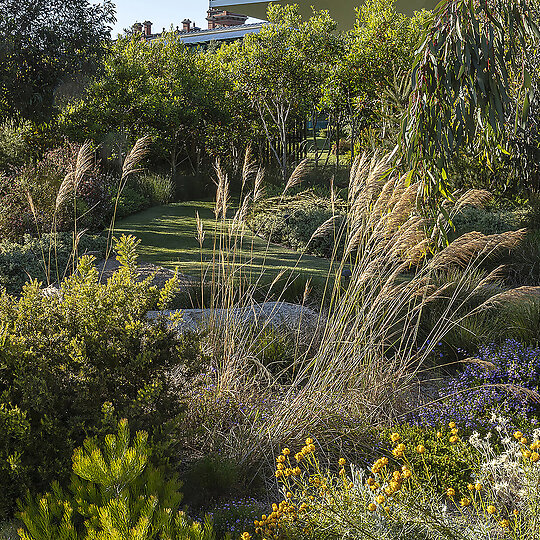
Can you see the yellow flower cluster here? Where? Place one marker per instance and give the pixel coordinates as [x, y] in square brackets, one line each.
[529, 452]
[268, 525]
[379, 465]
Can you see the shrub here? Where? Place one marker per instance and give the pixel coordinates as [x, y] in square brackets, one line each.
[485, 221]
[130, 202]
[114, 493]
[503, 379]
[29, 201]
[156, 188]
[46, 259]
[292, 221]
[74, 362]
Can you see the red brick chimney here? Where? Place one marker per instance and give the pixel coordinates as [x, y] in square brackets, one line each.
[137, 28]
[186, 25]
[147, 25]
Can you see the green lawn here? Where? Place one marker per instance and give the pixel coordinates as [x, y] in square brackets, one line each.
[167, 236]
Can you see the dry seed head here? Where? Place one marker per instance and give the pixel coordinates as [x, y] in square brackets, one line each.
[135, 156]
[297, 175]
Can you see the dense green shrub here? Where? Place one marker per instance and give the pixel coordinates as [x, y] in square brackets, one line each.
[293, 220]
[76, 361]
[485, 221]
[114, 492]
[46, 259]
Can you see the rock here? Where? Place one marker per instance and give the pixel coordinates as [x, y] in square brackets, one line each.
[275, 314]
[144, 270]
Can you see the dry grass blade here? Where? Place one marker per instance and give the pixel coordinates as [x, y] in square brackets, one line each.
[490, 366]
[297, 175]
[85, 163]
[135, 156]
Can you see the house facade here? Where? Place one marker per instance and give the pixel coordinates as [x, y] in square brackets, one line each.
[341, 11]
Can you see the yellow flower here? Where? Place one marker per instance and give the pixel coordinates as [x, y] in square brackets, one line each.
[439, 434]
[453, 439]
[465, 501]
[341, 461]
[407, 473]
[395, 437]
[450, 492]
[523, 440]
[341, 472]
[478, 486]
[535, 457]
[515, 512]
[452, 425]
[491, 509]
[280, 459]
[504, 523]
[372, 507]
[455, 431]
[298, 456]
[380, 499]
[285, 451]
[288, 495]
[280, 466]
[420, 449]
[518, 435]
[470, 487]
[309, 441]
[296, 471]
[279, 474]
[311, 448]
[396, 475]
[246, 536]
[527, 454]
[370, 481]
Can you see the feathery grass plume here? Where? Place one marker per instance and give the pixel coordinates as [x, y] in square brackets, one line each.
[476, 245]
[297, 175]
[85, 163]
[135, 156]
[490, 366]
[249, 167]
[222, 193]
[66, 187]
[200, 229]
[324, 229]
[258, 191]
[473, 197]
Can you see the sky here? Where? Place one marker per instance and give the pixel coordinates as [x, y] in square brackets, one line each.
[162, 13]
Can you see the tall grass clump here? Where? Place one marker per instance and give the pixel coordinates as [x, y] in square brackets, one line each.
[356, 358]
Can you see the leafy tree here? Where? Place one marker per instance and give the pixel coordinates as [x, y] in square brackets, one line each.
[174, 93]
[281, 70]
[463, 82]
[42, 42]
[381, 44]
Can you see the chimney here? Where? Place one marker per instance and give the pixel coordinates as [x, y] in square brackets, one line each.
[137, 28]
[147, 28]
[186, 25]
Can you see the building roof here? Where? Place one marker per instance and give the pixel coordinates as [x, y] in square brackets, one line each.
[225, 33]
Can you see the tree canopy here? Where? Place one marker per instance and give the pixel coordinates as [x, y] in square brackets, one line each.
[44, 42]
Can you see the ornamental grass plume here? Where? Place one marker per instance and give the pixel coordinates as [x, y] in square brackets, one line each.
[369, 348]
